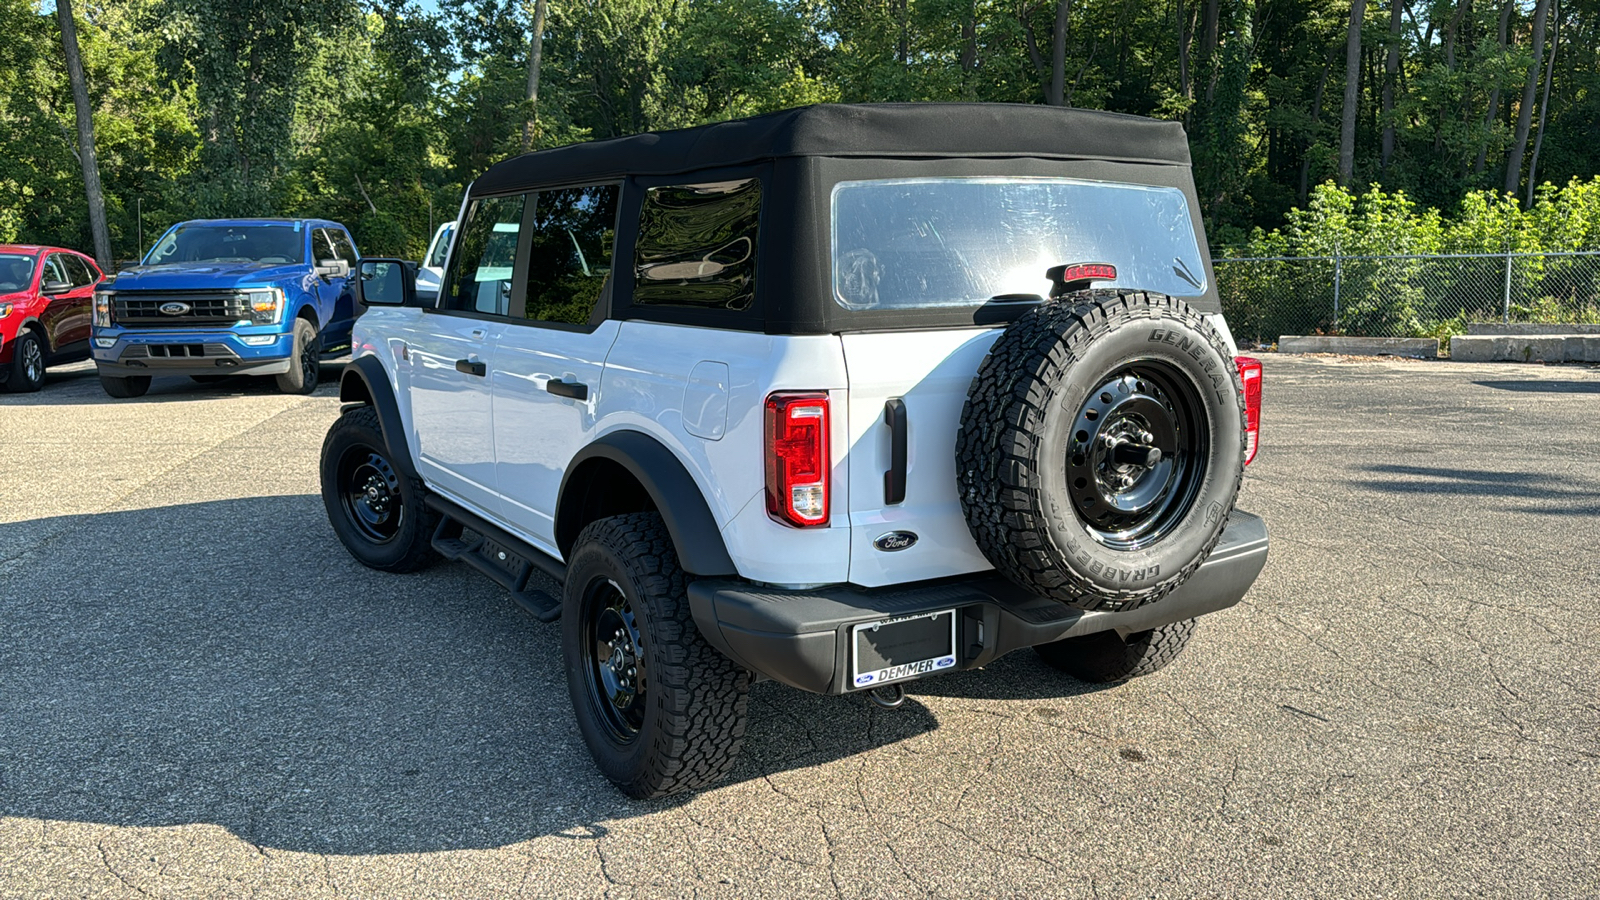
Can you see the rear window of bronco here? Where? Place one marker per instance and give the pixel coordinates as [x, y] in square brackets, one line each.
[953, 242]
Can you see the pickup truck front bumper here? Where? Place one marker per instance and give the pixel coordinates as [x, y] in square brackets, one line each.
[802, 638]
[193, 353]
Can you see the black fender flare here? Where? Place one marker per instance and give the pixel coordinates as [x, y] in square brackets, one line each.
[672, 489]
[365, 381]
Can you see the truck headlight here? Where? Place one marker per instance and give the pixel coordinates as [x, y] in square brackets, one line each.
[265, 306]
[102, 309]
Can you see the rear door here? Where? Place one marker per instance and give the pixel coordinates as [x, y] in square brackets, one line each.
[547, 365]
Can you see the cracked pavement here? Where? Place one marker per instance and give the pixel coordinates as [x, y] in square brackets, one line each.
[201, 694]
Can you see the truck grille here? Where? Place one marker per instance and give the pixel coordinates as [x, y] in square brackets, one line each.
[210, 308]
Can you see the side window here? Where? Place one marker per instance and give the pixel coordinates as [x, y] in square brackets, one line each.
[78, 271]
[54, 270]
[697, 245]
[321, 246]
[480, 272]
[342, 248]
[569, 266]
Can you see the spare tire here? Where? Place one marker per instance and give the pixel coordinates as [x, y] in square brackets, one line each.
[1101, 448]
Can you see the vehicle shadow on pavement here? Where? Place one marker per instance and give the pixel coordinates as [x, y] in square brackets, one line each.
[228, 663]
[1543, 387]
[1549, 494]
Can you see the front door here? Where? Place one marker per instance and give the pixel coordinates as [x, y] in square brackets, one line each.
[548, 363]
[451, 352]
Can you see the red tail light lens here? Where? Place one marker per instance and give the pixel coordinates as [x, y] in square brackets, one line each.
[1250, 379]
[798, 464]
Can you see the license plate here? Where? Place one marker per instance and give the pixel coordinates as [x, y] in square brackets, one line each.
[902, 648]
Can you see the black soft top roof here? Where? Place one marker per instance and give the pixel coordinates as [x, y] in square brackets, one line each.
[898, 130]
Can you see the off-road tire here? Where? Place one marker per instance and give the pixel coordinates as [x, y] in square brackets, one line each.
[355, 440]
[305, 366]
[1106, 657]
[125, 388]
[694, 700]
[1023, 416]
[27, 363]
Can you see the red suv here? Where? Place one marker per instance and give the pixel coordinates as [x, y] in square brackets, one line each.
[46, 300]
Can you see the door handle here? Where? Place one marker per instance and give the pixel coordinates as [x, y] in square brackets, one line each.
[471, 367]
[894, 480]
[567, 389]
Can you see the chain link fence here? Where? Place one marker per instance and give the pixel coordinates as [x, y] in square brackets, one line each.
[1404, 296]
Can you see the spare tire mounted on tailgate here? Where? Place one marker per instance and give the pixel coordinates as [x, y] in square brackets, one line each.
[1101, 448]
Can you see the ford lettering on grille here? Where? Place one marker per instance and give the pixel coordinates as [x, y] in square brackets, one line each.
[174, 308]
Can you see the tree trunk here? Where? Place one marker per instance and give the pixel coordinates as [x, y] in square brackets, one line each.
[1494, 95]
[1391, 69]
[535, 52]
[1208, 50]
[1519, 145]
[86, 156]
[1316, 119]
[904, 48]
[1058, 54]
[1352, 92]
[1544, 104]
[1185, 84]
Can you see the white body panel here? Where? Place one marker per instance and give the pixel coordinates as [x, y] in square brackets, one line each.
[931, 372]
[537, 433]
[645, 385]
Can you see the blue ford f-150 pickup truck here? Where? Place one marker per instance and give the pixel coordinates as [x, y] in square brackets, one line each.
[221, 297]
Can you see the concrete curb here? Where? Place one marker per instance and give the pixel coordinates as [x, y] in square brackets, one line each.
[1417, 348]
[1525, 348]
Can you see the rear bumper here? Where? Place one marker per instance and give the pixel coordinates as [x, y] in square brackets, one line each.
[801, 638]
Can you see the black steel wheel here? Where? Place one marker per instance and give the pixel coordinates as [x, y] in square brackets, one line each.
[369, 488]
[614, 660]
[1101, 448]
[660, 710]
[375, 509]
[1137, 455]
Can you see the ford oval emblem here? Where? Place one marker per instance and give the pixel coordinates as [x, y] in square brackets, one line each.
[895, 540]
[174, 308]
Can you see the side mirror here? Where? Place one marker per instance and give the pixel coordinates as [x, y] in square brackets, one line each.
[386, 282]
[333, 268]
[55, 287]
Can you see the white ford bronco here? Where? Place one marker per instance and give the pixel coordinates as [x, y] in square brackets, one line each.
[842, 397]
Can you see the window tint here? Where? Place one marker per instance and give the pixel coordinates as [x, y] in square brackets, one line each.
[697, 245]
[342, 248]
[54, 270]
[480, 272]
[569, 266]
[78, 271]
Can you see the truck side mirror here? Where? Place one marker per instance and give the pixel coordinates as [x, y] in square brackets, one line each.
[333, 268]
[385, 282]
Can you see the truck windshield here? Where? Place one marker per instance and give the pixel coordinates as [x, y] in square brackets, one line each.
[16, 272]
[944, 242]
[212, 242]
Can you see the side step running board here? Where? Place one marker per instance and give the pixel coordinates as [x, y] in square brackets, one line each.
[507, 560]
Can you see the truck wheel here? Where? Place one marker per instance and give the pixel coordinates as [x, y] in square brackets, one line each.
[27, 364]
[660, 709]
[1107, 657]
[376, 511]
[1101, 448]
[125, 388]
[306, 366]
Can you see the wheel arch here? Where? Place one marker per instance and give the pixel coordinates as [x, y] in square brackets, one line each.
[629, 471]
[365, 382]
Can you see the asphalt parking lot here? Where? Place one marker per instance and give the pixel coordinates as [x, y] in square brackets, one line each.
[201, 694]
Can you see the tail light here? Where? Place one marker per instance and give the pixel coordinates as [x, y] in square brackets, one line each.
[798, 465]
[1250, 379]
